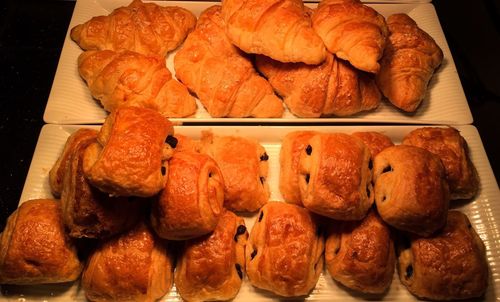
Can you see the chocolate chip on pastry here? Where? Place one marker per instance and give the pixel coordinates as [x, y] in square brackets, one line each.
[449, 265]
[411, 191]
[284, 253]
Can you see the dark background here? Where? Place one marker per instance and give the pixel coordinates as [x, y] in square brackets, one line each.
[32, 34]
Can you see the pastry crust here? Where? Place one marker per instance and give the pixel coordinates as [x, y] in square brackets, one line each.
[375, 141]
[451, 147]
[210, 268]
[335, 179]
[352, 31]
[361, 255]
[292, 145]
[411, 191]
[191, 203]
[449, 265]
[409, 61]
[145, 28]
[128, 78]
[56, 174]
[134, 266]
[284, 253]
[88, 212]
[34, 248]
[244, 168]
[128, 159]
[222, 77]
[331, 88]
[278, 29]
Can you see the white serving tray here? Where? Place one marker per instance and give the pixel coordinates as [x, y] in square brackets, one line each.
[483, 211]
[70, 101]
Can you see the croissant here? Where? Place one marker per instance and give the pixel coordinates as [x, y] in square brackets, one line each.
[332, 88]
[278, 29]
[410, 58]
[222, 78]
[130, 79]
[146, 28]
[352, 31]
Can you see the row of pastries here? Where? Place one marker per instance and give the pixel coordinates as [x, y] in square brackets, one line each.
[147, 196]
[253, 58]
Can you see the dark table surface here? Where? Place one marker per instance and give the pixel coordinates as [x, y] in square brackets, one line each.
[32, 34]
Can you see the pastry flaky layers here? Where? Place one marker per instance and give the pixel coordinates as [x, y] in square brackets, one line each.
[146, 28]
[284, 253]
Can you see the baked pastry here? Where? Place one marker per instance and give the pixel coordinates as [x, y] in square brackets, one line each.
[451, 147]
[185, 143]
[411, 191]
[35, 249]
[88, 212]
[284, 253]
[244, 166]
[292, 145]
[146, 28]
[129, 158]
[360, 254]
[334, 176]
[331, 88]
[190, 205]
[221, 76]
[409, 61]
[352, 31]
[56, 174]
[375, 141]
[211, 267]
[278, 29]
[128, 78]
[134, 266]
[449, 265]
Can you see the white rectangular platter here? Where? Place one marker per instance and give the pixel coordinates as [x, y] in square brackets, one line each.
[483, 210]
[70, 101]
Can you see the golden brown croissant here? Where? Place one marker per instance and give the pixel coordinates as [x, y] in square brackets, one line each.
[223, 79]
[191, 202]
[409, 61]
[88, 212]
[130, 156]
[375, 141]
[352, 31]
[279, 29]
[146, 28]
[211, 267]
[56, 174]
[128, 78]
[332, 88]
[34, 248]
[449, 265]
[134, 266]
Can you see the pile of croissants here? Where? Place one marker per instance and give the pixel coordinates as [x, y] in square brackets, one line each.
[145, 196]
[335, 60]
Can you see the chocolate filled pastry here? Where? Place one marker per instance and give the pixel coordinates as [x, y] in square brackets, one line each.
[134, 266]
[88, 212]
[375, 141]
[451, 147]
[244, 166]
[34, 247]
[360, 254]
[191, 203]
[56, 174]
[284, 253]
[211, 267]
[449, 265]
[291, 147]
[334, 176]
[130, 156]
[411, 191]
[146, 28]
